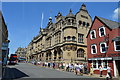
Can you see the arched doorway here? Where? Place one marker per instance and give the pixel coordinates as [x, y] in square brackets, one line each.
[60, 54]
[55, 55]
[50, 55]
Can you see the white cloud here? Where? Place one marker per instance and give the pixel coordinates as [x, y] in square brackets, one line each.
[116, 15]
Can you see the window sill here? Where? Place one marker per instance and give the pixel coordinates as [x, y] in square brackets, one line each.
[117, 50]
[93, 53]
[98, 68]
[81, 42]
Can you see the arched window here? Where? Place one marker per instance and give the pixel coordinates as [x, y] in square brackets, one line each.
[68, 38]
[64, 38]
[103, 47]
[55, 54]
[68, 20]
[80, 22]
[80, 53]
[47, 55]
[84, 23]
[93, 49]
[87, 24]
[73, 38]
[72, 21]
[93, 34]
[101, 31]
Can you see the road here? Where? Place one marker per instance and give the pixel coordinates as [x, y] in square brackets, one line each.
[26, 70]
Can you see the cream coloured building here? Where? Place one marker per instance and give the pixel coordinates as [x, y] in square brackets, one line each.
[63, 40]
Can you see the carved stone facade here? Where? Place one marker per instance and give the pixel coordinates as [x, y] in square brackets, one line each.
[64, 40]
[4, 42]
[21, 52]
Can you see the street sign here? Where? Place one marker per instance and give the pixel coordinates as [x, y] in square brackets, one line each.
[4, 46]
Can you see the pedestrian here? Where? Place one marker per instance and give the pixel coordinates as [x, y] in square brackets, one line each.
[85, 69]
[70, 67]
[91, 70]
[81, 68]
[63, 66]
[109, 71]
[101, 69]
[53, 65]
[77, 69]
[49, 64]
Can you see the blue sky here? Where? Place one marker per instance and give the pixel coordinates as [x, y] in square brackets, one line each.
[24, 19]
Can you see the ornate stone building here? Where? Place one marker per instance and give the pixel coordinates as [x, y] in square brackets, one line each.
[64, 40]
[21, 52]
[4, 42]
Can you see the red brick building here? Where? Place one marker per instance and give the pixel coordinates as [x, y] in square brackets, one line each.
[103, 45]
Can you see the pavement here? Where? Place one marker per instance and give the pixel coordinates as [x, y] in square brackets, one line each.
[27, 71]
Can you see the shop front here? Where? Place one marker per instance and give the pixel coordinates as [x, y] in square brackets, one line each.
[104, 62]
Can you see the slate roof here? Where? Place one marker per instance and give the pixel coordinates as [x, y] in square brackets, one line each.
[116, 38]
[109, 23]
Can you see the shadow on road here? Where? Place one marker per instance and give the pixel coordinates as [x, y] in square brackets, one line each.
[13, 73]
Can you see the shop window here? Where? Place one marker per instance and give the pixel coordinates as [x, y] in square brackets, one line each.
[93, 34]
[101, 31]
[93, 49]
[117, 45]
[94, 64]
[80, 38]
[103, 47]
[105, 64]
[99, 63]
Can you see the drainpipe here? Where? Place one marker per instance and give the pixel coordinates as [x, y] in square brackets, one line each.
[115, 71]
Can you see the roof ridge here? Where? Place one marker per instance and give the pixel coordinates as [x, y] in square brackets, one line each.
[108, 19]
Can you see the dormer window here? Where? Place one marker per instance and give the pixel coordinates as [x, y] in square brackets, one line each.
[102, 31]
[93, 34]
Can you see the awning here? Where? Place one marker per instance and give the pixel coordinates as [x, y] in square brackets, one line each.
[116, 58]
[116, 38]
[109, 58]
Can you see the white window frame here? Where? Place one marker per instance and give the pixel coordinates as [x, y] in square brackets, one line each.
[91, 34]
[115, 46]
[100, 32]
[101, 47]
[97, 68]
[95, 48]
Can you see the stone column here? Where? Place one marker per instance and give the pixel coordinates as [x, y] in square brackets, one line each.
[52, 56]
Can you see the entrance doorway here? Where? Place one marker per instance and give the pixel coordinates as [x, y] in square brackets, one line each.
[118, 67]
